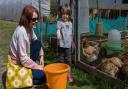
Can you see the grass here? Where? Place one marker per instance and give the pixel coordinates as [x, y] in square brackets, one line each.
[6, 30]
[85, 80]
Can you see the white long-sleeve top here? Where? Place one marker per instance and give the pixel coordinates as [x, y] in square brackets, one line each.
[19, 48]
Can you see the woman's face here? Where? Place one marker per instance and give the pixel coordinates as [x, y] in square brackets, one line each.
[34, 19]
[65, 17]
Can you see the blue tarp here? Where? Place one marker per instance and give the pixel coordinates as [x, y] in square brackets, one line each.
[47, 29]
[120, 23]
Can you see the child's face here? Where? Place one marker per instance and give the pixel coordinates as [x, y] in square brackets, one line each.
[65, 17]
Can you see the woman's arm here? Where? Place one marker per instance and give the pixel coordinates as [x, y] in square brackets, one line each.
[22, 52]
[42, 57]
[34, 37]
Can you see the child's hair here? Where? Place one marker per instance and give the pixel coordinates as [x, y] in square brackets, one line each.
[65, 10]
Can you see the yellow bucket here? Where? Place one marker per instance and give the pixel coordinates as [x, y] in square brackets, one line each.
[56, 74]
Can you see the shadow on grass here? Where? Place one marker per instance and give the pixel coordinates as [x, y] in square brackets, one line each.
[4, 79]
[78, 83]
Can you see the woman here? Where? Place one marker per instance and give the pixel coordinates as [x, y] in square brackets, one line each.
[24, 47]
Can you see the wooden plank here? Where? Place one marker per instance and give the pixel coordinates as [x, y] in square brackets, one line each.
[92, 70]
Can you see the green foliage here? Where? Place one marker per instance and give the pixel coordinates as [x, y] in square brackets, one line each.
[49, 56]
[53, 7]
[7, 25]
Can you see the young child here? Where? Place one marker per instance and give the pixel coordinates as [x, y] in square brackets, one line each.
[64, 37]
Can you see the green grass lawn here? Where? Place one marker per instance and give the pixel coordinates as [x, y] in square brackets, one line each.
[6, 30]
[85, 80]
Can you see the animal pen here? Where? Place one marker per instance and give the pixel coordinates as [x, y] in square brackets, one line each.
[93, 28]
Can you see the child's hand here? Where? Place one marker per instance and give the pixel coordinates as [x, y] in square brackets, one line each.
[59, 35]
[42, 61]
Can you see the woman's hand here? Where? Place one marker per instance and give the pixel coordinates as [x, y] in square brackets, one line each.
[40, 67]
[42, 61]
